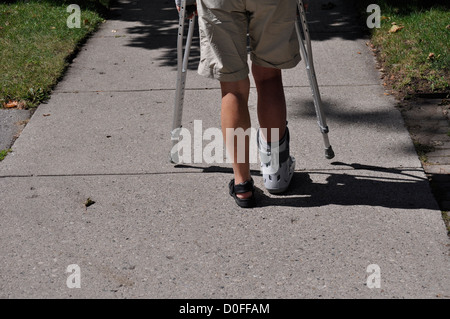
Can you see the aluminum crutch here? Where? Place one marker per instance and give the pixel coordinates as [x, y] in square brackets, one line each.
[306, 51]
[182, 64]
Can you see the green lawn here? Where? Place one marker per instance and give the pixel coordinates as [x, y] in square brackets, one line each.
[36, 45]
[416, 58]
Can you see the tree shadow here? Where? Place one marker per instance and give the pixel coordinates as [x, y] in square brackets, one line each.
[158, 21]
[156, 28]
[337, 115]
[390, 188]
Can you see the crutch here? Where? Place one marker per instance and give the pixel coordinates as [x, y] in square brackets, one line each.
[306, 51]
[182, 64]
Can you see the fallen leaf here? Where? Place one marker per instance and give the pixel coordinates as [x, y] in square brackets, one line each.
[11, 104]
[88, 202]
[53, 28]
[395, 28]
[358, 52]
[448, 27]
[431, 56]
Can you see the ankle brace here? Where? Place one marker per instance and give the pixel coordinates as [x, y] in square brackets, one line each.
[273, 154]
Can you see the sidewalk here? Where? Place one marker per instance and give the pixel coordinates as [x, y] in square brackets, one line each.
[162, 231]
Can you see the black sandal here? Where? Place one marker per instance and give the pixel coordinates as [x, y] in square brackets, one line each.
[247, 186]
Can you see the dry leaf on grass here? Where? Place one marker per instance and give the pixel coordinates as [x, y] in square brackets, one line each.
[395, 28]
[11, 104]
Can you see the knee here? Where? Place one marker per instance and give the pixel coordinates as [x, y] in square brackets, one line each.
[239, 89]
[262, 74]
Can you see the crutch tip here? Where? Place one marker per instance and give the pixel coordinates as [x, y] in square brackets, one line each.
[329, 153]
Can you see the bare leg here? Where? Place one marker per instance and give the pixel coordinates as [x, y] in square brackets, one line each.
[235, 115]
[271, 100]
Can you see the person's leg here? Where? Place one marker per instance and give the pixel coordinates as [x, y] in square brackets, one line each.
[235, 115]
[274, 46]
[277, 165]
[271, 101]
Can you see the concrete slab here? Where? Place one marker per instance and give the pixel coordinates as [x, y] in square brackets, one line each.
[118, 63]
[129, 132]
[152, 236]
[136, 50]
[12, 122]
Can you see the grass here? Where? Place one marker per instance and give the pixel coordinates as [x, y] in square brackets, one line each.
[36, 45]
[3, 154]
[416, 58]
[422, 151]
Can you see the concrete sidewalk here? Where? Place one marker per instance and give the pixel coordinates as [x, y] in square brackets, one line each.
[162, 231]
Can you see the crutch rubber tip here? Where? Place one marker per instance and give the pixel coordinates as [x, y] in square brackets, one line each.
[329, 153]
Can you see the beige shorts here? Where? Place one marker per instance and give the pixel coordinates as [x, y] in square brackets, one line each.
[224, 25]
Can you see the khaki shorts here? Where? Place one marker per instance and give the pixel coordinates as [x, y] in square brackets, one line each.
[224, 25]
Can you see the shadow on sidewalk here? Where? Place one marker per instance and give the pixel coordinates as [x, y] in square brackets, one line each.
[159, 20]
[392, 188]
[303, 108]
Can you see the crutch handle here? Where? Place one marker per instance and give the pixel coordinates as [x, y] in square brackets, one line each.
[190, 10]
